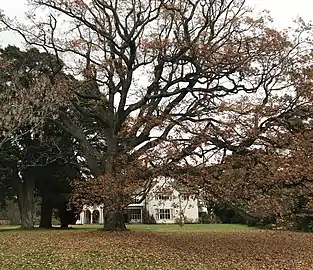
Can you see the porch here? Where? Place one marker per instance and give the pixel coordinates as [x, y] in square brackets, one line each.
[133, 214]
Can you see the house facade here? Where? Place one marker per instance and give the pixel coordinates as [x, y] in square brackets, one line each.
[165, 203]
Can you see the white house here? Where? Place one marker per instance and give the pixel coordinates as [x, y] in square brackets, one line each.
[166, 202]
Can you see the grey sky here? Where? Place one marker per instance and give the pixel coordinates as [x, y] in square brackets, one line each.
[283, 11]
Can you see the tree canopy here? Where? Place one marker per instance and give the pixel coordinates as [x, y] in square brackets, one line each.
[171, 84]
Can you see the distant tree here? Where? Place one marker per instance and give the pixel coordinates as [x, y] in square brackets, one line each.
[30, 90]
[55, 189]
[31, 93]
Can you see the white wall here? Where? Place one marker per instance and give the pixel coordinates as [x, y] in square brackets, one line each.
[82, 219]
[188, 207]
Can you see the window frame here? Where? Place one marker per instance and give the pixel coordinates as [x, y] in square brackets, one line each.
[162, 197]
[134, 214]
[164, 214]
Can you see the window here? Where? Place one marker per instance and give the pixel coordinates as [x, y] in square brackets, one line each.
[135, 214]
[164, 214]
[163, 197]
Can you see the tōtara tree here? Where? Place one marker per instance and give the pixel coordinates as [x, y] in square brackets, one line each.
[26, 162]
[157, 76]
[31, 92]
[53, 180]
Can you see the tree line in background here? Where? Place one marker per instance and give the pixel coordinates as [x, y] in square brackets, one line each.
[110, 95]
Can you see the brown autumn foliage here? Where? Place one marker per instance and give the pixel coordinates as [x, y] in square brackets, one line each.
[178, 83]
[270, 178]
[118, 189]
[78, 249]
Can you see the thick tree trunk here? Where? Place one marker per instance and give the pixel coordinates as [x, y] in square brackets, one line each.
[64, 217]
[25, 188]
[26, 203]
[67, 217]
[114, 221]
[46, 214]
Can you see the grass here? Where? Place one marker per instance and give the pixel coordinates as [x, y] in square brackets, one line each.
[189, 227]
[175, 227]
[4, 228]
[195, 246]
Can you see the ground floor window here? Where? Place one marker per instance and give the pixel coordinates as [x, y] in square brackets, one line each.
[164, 214]
[135, 214]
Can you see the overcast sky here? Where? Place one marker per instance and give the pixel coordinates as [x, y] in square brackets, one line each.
[283, 11]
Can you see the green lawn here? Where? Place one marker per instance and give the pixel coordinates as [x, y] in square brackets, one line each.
[195, 246]
[176, 228]
[190, 227]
